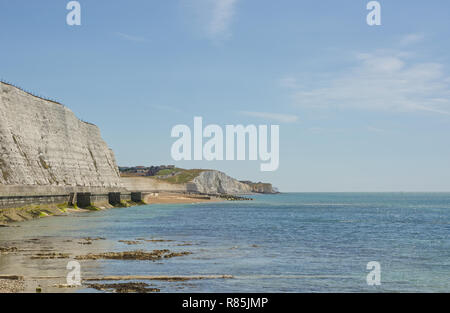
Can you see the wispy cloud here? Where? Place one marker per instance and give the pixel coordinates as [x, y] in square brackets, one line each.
[388, 81]
[130, 37]
[277, 117]
[412, 39]
[222, 16]
[214, 17]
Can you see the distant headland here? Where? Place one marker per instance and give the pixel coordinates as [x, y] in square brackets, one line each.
[204, 181]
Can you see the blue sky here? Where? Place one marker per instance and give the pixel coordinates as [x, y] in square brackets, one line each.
[360, 108]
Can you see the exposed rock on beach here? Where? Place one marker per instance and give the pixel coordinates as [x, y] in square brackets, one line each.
[133, 255]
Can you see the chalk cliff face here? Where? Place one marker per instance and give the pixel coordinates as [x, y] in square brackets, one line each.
[213, 182]
[43, 143]
[265, 188]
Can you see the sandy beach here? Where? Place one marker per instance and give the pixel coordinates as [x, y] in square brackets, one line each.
[178, 198]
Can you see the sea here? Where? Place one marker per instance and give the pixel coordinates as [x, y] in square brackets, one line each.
[288, 242]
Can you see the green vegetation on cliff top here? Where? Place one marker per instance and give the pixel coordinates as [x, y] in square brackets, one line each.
[178, 175]
[173, 175]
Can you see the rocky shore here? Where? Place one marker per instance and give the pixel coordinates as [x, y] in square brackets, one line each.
[42, 262]
[8, 217]
[12, 284]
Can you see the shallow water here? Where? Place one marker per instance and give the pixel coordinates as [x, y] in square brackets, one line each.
[303, 242]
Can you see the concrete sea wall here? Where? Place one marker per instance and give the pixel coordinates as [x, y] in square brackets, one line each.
[7, 202]
[82, 199]
[148, 184]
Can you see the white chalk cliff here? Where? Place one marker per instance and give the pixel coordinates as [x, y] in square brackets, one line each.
[43, 143]
[215, 182]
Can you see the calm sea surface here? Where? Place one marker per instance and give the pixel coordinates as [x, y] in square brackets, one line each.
[298, 242]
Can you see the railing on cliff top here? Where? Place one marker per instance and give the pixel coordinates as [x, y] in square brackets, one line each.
[37, 96]
[30, 92]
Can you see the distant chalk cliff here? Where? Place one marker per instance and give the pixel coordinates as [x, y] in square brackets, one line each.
[171, 178]
[265, 188]
[42, 143]
[212, 182]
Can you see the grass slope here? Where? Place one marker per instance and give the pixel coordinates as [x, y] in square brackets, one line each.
[180, 176]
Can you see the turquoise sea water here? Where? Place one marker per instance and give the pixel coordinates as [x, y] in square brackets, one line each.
[299, 242]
